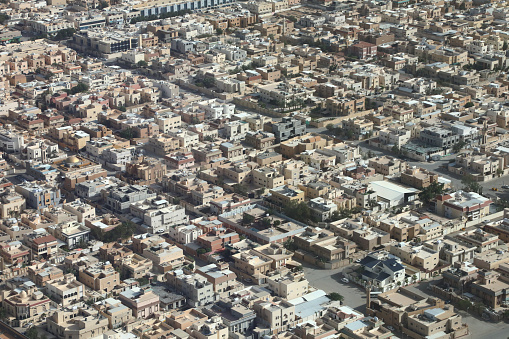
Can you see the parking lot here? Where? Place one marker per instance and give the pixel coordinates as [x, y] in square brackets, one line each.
[330, 281]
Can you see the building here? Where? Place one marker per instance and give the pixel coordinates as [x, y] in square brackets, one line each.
[100, 42]
[135, 266]
[100, 277]
[418, 256]
[363, 50]
[439, 137]
[41, 244]
[499, 229]
[73, 234]
[14, 253]
[480, 239]
[383, 270]
[288, 286]
[198, 290]
[142, 302]
[119, 199]
[25, 305]
[436, 322]
[10, 141]
[387, 165]
[66, 290]
[288, 128]
[222, 278]
[284, 195]
[39, 196]
[164, 256]
[418, 177]
[217, 239]
[463, 205]
[144, 172]
[157, 215]
[118, 315]
[77, 324]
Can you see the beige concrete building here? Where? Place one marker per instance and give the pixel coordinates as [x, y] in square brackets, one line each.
[100, 277]
[117, 314]
[387, 165]
[288, 286]
[416, 255]
[77, 324]
[143, 302]
[66, 290]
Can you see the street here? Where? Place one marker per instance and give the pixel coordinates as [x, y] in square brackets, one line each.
[330, 281]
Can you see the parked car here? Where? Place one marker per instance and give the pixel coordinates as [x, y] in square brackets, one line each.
[505, 186]
[345, 280]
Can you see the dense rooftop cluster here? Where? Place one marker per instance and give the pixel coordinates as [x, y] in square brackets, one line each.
[254, 169]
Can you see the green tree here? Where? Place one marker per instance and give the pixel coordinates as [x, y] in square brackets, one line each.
[143, 281]
[79, 88]
[429, 193]
[219, 31]
[470, 184]
[299, 211]
[103, 4]
[32, 333]
[266, 222]
[247, 219]
[458, 146]
[335, 296]
[349, 134]
[4, 18]
[469, 104]
[127, 133]
[505, 46]
[464, 305]
[329, 127]
[142, 63]
[240, 189]
[122, 109]
[64, 34]
[208, 82]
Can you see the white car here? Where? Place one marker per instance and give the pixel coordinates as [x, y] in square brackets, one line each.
[345, 280]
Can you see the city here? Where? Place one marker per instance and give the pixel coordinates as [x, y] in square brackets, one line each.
[260, 169]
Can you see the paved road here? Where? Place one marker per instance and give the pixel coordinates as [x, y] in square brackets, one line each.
[330, 281]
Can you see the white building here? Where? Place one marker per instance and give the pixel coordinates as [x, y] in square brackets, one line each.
[393, 136]
[10, 141]
[158, 215]
[235, 130]
[215, 109]
[383, 270]
[185, 234]
[116, 158]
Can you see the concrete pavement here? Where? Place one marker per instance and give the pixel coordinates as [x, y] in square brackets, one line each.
[330, 281]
